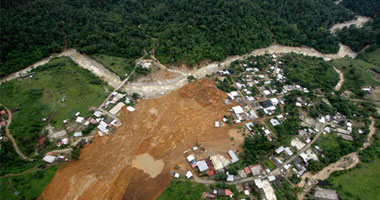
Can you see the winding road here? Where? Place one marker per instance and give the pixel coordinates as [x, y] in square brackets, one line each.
[22, 156]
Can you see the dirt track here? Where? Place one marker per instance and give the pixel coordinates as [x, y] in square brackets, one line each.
[82, 60]
[11, 137]
[359, 22]
[341, 80]
[105, 170]
[155, 89]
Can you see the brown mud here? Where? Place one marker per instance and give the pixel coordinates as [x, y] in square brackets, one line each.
[161, 128]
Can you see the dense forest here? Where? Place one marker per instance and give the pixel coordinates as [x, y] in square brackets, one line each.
[369, 35]
[182, 31]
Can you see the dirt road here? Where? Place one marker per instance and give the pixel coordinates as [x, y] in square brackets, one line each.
[359, 21]
[341, 80]
[154, 90]
[11, 137]
[346, 162]
[82, 60]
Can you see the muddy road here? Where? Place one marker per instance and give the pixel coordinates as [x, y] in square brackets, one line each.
[359, 21]
[82, 60]
[157, 133]
[155, 89]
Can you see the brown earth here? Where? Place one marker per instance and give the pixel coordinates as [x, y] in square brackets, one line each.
[163, 128]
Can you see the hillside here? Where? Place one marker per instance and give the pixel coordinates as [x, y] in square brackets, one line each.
[182, 31]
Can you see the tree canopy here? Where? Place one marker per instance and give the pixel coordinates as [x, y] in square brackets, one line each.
[181, 31]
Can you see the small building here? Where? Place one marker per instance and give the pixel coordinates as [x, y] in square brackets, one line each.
[234, 157]
[131, 109]
[230, 178]
[80, 120]
[189, 174]
[117, 108]
[49, 159]
[202, 166]
[256, 169]
[190, 158]
[78, 134]
[279, 150]
[237, 110]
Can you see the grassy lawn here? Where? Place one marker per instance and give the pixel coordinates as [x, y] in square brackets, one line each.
[268, 164]
[29, 185]
[117, 65]
[361, 182]
[32, 99]
[183, 190]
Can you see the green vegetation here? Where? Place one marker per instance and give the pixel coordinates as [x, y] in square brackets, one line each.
[360, 72]
[298, 70]
[256, 148]
[183, 190]
[333, 148]
[361, 182]
[32, 99]
[29, 186]
[359, 38]
[183, 31]
[117, 65]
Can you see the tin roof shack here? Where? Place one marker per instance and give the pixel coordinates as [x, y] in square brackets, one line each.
[256, 169]
[234, 157]
[202, 166]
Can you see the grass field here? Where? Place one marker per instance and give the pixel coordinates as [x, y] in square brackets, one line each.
[360, 72]
[117, 65]
[32, 99]
[359, 183]
[182, 190]
[29, 186]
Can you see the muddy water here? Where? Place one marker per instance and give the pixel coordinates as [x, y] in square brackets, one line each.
[146, 163]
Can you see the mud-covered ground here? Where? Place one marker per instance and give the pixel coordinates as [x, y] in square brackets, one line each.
[159, 131]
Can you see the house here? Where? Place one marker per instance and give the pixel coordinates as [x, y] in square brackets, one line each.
[202, 166]
[130, 109]
[189, 174]
[237, 110]
[190, 158]
[242, 174]
[103, 127]
[234, 157]
[176, 175]
[249, 126]
[217, 124]
[288, 152]
[266, 104]
[78, 134]
[279, 150]
[117, 108]
[274, 122]
[256, 169]
[41, 141]
[258, 183]
[247, 170]
[219, 162]
[228, 193]
[80, 120]
[49, 159]
[230, 177]
[98, 113]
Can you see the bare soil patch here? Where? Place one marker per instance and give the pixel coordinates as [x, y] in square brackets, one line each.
[163, 128]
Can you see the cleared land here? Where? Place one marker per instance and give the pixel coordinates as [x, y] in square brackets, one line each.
[117, 65]
[31, 99]
[359, 183]
[164, 128]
